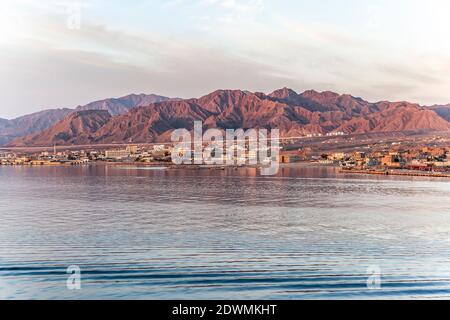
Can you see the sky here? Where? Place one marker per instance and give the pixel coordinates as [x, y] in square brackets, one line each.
[64, 53]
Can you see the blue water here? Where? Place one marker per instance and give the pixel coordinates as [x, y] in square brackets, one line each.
[307, 233]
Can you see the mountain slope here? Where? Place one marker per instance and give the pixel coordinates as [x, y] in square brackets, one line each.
[118, 106]
[286, 110]
[39, 121]
[401, 116]
[75, 128]
[4, 123]
[151, 123]
[292, 113]
[32, 123]
[442, 111]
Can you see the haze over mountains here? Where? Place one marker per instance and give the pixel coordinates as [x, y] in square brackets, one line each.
[152, 118]
[123, 105]
[443, 111]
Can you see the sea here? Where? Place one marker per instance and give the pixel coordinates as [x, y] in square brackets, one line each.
[310, 232]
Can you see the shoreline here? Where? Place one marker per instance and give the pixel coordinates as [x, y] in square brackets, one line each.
[395, 173]
[171, 166]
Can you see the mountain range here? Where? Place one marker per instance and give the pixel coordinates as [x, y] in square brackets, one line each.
[152, 118]
[39, 121]
[32, 123]
[124, 104]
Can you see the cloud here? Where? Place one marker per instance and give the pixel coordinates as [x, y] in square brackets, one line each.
[233, 46]
[57, 67]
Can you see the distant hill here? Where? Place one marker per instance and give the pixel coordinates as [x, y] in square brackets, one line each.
[77, 127]
[294, 114]
[442, 111]
[124, 104]
[32, 123]
[4, 123]
[39, 121]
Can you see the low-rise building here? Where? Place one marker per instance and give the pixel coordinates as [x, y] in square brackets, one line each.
[117, 154]
[290, 158]
[337, 156]
[132, 149]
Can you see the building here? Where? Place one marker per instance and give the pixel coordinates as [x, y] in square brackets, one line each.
[372, 162]
[358, 155]
[393, 160]
[290, 158]
[159, 148]
[442, 164]
[326, 161]
[132, 149]
[117, 154]
[337, 156]
[335, 134]
[21, 160]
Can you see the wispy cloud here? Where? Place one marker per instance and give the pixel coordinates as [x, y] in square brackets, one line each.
[188, 48]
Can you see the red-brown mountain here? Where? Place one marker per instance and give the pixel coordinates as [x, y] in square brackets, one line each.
[400, 116]
[294, 114]
[76, 128]
[32, 123]
[39, 121]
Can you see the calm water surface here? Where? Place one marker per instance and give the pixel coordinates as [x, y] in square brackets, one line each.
[307, 233]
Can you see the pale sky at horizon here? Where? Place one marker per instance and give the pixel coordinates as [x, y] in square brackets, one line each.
[375, 49]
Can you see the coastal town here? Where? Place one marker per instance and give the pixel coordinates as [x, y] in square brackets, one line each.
[420, 160]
